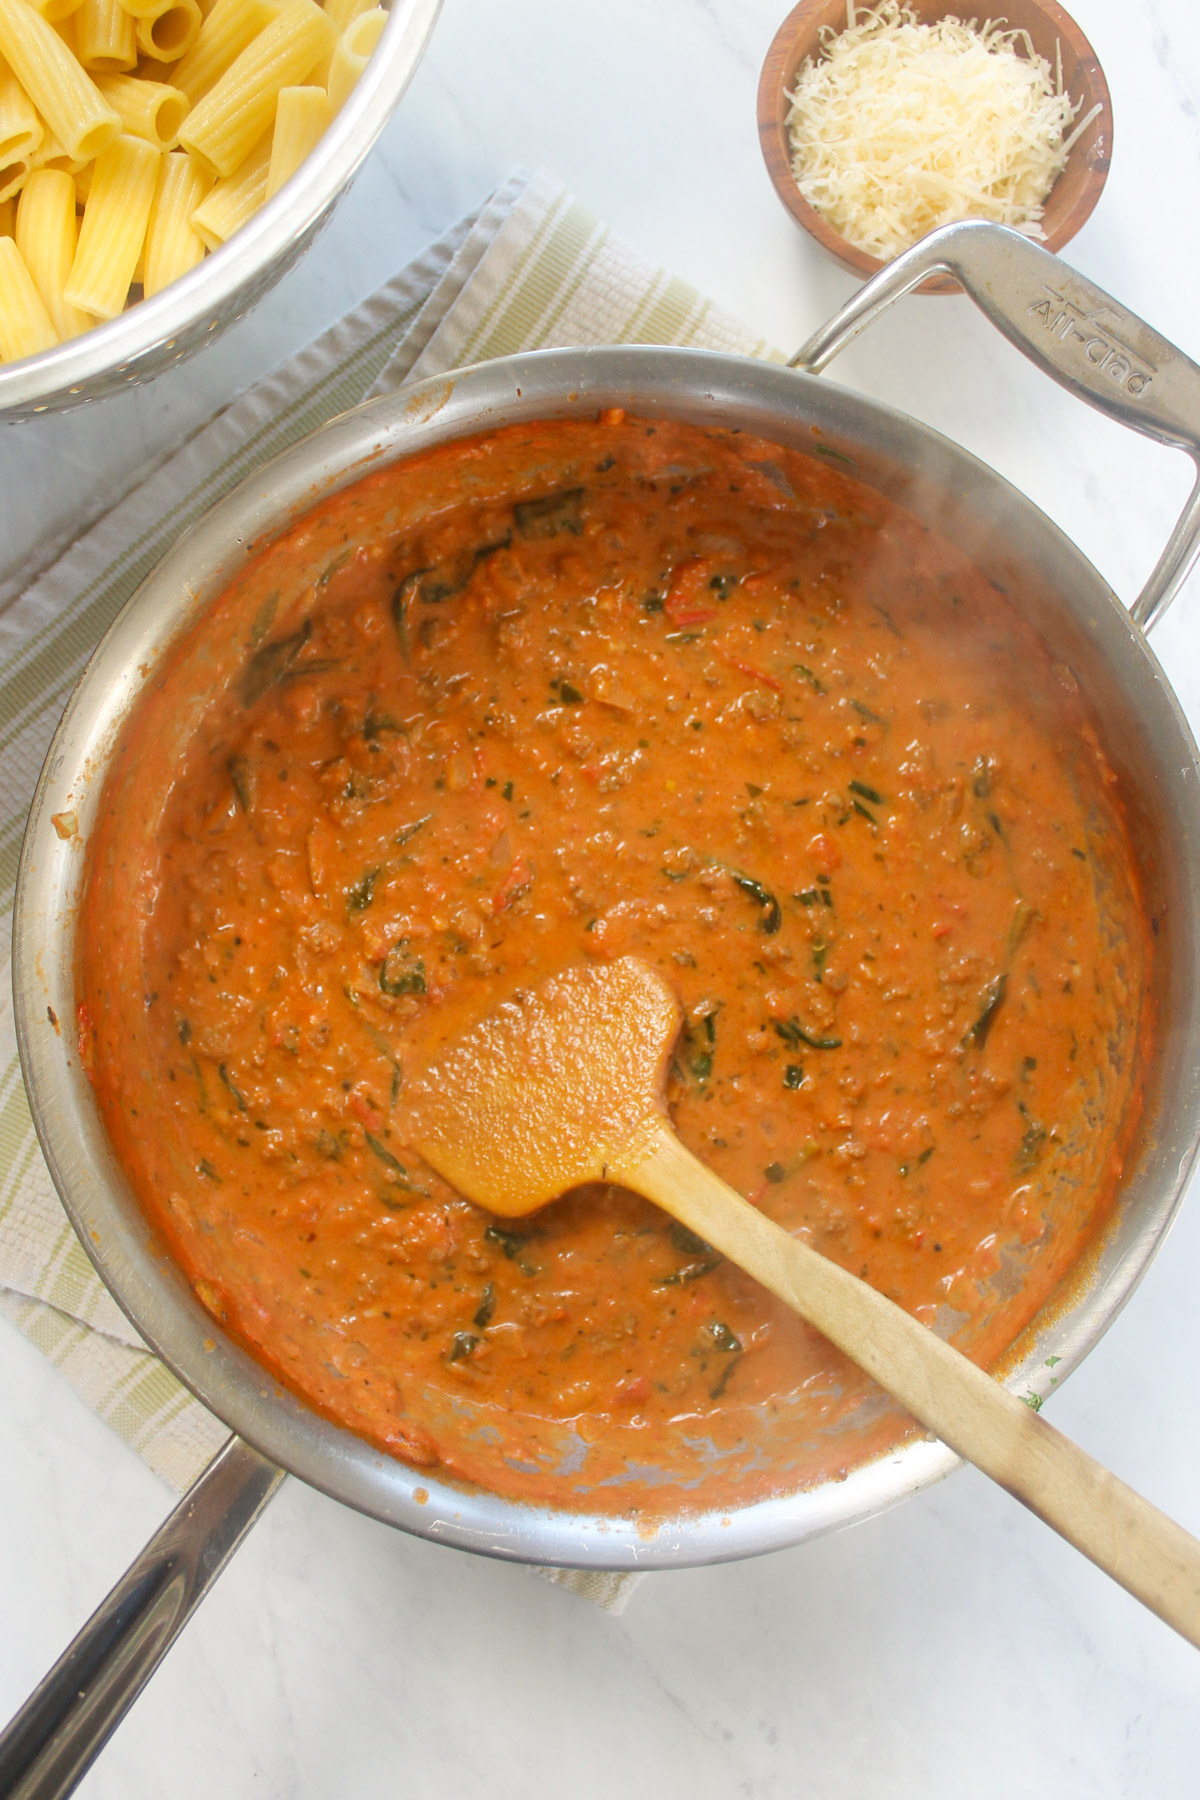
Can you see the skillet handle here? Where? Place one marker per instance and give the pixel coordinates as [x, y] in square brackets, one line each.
[50, 1744]
[1074, 332]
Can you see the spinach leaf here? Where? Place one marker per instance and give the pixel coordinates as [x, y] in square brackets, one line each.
[268, 665]
[993, 1000]
[401, 972]
[772, 916]
[552, 514]
[792, 1032]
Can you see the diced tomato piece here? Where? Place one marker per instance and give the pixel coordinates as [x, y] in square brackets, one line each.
[681, 613]
[632, 1392]
[753, 674]
[824, 853]
[364, 1109]
[688, 582]
[515, 882]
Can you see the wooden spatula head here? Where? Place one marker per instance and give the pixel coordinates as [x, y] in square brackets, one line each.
[544, 1092]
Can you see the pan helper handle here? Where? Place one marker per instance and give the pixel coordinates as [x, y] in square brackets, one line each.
[1074, 331]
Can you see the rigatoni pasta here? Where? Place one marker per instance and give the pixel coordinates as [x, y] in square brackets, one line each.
[47, 235]
[353, 53]
[233, 201]
[25, 325]
[14, 173]
[173, 246]
[142, 9]
[227, 29]
[343, 11]
[62, 91]
[50, 154]
[114, 226]
[301, 118]
[55, 10]
[105, 42]
[225, 125]
[168, 33]
[246, 87]
[153, 110]
[21, 131]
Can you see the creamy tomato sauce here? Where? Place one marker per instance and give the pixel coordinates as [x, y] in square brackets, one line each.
[567, 692]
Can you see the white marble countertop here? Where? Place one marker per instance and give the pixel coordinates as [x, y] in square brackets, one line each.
[951, 1647]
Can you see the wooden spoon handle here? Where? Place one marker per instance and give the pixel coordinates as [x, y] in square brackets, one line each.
[1151, 1556]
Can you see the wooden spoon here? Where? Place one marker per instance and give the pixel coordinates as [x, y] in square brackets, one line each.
[565, 1084]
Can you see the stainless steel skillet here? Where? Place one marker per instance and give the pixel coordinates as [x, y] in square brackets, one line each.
[1089, 344]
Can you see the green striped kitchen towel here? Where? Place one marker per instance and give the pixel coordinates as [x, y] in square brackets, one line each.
[529, 270]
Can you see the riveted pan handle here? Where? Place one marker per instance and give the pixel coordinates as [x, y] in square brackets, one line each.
[1075, 332]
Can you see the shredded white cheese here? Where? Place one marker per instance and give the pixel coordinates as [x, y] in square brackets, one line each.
[899, 127]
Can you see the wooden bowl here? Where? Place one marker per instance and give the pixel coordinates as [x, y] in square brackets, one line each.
[1073, 195]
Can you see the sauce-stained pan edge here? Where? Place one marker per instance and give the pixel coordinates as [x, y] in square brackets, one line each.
[1147, 739]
